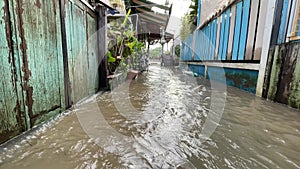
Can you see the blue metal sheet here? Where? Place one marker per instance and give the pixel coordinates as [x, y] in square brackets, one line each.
[237, 30]
[244, 29]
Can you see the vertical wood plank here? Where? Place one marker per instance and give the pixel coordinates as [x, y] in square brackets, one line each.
[102, 35]
[11, 117]
[93, 79]
[252, 29]
[217, 38]
[231, 32]
[194, 44]
[210, 40]
[237, 30]
[277, 21]
[267, 31]
[221, 43]
[41, 55]
[244, 29]
[199, 44]
[214, 38]
[283, 23]
[202, 44]
[292, 8]
[260, 29]
[226, 33]
[66, 78]
[206, 42]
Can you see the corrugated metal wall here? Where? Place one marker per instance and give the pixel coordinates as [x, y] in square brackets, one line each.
[33, 81]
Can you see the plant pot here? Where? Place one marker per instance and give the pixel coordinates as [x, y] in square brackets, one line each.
[132, 74]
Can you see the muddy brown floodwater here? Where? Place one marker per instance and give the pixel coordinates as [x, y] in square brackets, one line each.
[157, 121]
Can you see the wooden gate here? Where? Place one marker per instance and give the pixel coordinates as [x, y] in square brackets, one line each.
[37, 38]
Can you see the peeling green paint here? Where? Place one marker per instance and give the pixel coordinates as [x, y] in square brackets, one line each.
[275, 72]
[283, 84]
[11, 119]
[294, 99]
[32, 87]
[82, 50]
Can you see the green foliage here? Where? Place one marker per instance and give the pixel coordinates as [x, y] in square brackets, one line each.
[189, 21]
[155, 53]
[186, 27]
[193, 12]
[123, 47]
[177, 50]
[110, 58]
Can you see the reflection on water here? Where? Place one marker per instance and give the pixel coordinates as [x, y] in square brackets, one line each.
[156, 122]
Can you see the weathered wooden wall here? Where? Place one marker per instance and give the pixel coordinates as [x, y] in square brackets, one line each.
[12, 108]
[83, 61]
[282, 78]
[32, 51]
[232, 35]
[282, 81]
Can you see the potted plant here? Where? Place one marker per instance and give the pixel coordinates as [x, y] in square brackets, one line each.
[124, 50]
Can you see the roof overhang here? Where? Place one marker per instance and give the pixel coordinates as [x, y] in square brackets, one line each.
[106, 3]
[150, 22]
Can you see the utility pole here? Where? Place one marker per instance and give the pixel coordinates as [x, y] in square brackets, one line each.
[162, 42]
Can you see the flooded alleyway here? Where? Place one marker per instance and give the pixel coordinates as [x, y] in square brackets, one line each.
[157, 121]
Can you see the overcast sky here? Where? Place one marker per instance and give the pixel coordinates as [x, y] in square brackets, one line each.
[179, 6]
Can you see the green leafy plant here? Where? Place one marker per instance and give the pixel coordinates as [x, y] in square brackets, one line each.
[124, 48]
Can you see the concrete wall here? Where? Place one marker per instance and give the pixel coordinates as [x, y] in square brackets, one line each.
[34, 76]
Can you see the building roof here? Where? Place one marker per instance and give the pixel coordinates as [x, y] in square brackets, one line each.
[150, 21]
